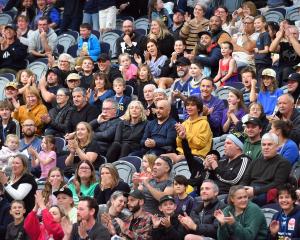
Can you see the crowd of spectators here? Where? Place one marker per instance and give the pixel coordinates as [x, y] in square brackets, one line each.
[158, 101]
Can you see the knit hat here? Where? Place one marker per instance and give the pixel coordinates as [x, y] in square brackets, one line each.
[238, 139]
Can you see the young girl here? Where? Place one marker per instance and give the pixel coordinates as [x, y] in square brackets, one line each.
[25, 78]
[128, 69]
[262, 55]
[234, 112]
[8, 151]
[144, 77]
[269, 93]
[183, 201]
[227, 66]
[46, 158]
[158, 11]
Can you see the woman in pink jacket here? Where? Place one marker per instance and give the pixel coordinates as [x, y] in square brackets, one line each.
[50, 226]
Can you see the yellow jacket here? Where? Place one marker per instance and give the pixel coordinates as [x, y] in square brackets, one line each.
[35, 113]
[198, 135]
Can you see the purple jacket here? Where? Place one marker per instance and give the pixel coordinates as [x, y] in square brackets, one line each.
[240, 113]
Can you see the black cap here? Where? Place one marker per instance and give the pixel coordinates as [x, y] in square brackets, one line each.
[54, 70]
[103, 57]
[11, 26]
[254, 120]
[183, 61]
[166, 198]
[204, 33]
[179, 10]
[137, 194]
[64, 190]
[294, 77]
[214, 152]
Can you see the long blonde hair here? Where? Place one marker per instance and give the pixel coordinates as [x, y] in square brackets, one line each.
[127, 116]
[163, 30]
[90, 134]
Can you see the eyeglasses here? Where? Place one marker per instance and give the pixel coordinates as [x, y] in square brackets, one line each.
[28, 125]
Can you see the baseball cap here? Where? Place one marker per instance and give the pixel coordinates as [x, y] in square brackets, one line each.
[204, 33]
[73, 76]
[103, 57]
[166, 198]
[11, 26]
[137, 194]
[269, 72]
[294, 77]
[63, 190]
[183, 61]
[254, 120]
[179, 10]
[12, 84]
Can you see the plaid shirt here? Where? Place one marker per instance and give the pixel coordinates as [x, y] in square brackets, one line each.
[138, 228]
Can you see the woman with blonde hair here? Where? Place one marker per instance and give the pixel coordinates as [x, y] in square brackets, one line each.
[191, 28]
[109, 182]
[32, 109]
[129, 132]
[82, 147]
[160, 33]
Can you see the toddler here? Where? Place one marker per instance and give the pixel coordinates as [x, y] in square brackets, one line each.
[8, 151]
[25, 78]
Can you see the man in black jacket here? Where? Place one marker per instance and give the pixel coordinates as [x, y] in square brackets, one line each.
[267, 172]
[131, 42]
[202, 221]
[105, 125]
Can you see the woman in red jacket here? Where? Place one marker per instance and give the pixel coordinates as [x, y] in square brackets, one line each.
[49, 227]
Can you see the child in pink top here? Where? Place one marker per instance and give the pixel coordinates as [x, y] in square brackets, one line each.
[128, 70]
[46, 158]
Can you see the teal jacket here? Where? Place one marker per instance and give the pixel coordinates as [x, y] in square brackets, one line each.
[250, 225]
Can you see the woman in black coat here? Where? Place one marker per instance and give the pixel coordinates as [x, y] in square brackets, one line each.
[129, 132]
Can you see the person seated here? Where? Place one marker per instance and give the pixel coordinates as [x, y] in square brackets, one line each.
[88, 43]
[288, 149]
[109, 182]
[119, 86]
[72, 81]
[12, 51]
[160, 134]
[202, 222]
[240, 220]
[32, 109]
[23, 29]
[9, 150]
[105, 66]
[289, 214]
[58, 119]
[85, 67]
[268, 172]
[148, 96]
[293, 85]
[44, 8]
[42, 42]
[105, 125]
[5, 217]
[167, 226]
[249, 90]
[129, 132]
[84, 181]
[195, 129]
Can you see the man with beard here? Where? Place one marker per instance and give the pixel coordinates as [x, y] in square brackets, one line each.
[86, 226]
[202, 221]
[178, 20]
[105, 66]
[139, 224]
[130, 42]
[180, 88]
[218, 34]
[84, 112]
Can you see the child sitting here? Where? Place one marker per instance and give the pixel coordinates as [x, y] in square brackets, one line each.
[167, 227]
[183, 201]
[119, 86]
[146, 169]
[128, 69]
[158, 11]
[15, 229]
[227, 66]
[144, 77]
[7, 124]
[8, 151]
[46, 158]
[249, 90]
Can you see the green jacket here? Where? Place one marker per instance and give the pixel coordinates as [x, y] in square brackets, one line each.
[250, 225]
[253, 150]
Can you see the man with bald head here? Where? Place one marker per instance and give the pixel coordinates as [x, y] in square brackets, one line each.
[287, 111]
[130, 42]
[160, 134]
[218, 34]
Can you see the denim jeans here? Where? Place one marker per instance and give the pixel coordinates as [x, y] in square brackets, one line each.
[93, 19]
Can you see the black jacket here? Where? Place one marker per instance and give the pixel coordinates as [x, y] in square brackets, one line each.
[132, 134]
[203, 216]
[166, 45]
[295, 119]
[5, 217]
[11, 128]
[14, 56]
[60, 118]
[104, 133]
[175, 231]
